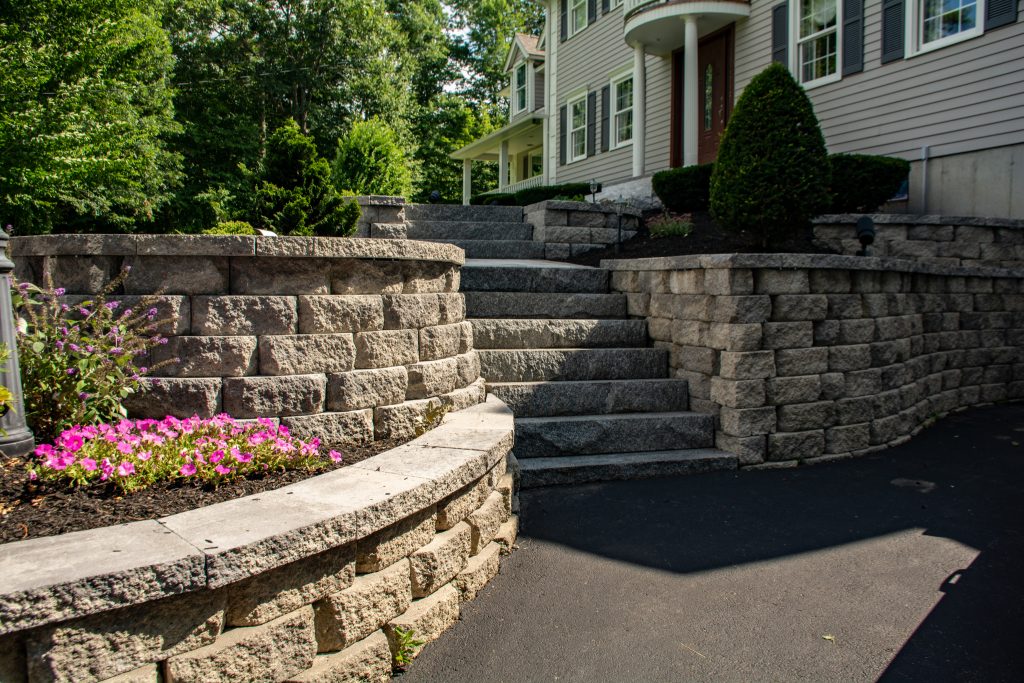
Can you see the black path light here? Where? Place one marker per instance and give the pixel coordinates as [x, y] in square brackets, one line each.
[595, 187]
[866, 235]
[15, 438]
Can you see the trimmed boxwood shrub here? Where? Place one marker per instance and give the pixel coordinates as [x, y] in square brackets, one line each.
[543, 193]
[863, 182]
[686, 189]
[772, 175]
[494, 199]
[231, 228]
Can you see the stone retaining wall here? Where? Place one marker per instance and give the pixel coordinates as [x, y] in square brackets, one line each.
[306, 583]
[950, 240]
[345, 339]
[572, 228]
[805, 357]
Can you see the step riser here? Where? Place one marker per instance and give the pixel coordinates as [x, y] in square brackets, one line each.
[554, 437]
[580, 280]
[572, 365]
[426, 230]
[544, 306]
[452, 212]
[539, 472]
[558, 334]
[498, 249]
[593, 398]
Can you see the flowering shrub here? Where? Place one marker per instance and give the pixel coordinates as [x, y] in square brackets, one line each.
[671, 225]
[133, 455]
[79, 363]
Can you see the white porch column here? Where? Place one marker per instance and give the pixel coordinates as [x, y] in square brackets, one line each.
[467, 181]
[639, 109]
[503, 166]
[691, 93]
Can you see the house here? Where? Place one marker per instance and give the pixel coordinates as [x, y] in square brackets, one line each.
[616, 90]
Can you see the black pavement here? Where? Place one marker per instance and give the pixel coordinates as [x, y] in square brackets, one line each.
[903, 566]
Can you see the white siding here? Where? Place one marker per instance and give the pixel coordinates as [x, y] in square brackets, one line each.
[962, 98]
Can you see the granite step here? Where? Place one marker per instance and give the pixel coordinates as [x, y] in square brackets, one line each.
[583, 469]
[468, 230]
[552, 437]
[455, 212]
[498, 249]
[508, 278]
[544, 305]
[547, 365]
[551, 399]
[558, 334]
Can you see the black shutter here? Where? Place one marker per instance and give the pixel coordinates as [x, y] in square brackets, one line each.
[591, 11]
[565, 18]
[1000, 13]
[780, 34]
[893, 30]
[605, 6]
[563, 121]
[592, 124]
[853, 36]
[606, 115]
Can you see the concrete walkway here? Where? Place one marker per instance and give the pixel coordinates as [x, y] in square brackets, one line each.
[905, 566]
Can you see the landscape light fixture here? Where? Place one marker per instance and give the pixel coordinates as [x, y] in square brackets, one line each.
[595, 187]
[16, 438]
[866, 235]
[620, 206]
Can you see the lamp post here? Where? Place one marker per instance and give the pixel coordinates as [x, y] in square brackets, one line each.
[619, 206]
[866, 235]
[17, 439]
[595, 187]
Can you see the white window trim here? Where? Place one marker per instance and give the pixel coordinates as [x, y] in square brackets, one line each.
[614, 4]
[915, 29]
[515, 87]
[614, 111]
[571, 151]
[794, 47]
[573, 31]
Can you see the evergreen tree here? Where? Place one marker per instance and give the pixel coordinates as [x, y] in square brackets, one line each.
[370, 160]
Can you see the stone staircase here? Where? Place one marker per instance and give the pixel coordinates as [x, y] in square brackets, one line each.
[592, 400]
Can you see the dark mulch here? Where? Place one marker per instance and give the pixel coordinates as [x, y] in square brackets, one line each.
[28, 510]
[706, 238]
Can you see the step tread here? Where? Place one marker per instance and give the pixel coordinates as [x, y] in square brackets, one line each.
[496, 249]
[470, 231]
[581, 469]
[547, 333]
[539, 437]
[545, 305]
[534, 279]
[502, 214]
[606, 397]
[539, 365]
[621, 417]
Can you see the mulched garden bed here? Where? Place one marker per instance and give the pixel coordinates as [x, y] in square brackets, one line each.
[30, 510]
[706, 238]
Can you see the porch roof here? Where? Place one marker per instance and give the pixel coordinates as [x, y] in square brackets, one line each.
[522, 135]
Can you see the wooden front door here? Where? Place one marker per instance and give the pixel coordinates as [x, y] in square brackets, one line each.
[715, 92]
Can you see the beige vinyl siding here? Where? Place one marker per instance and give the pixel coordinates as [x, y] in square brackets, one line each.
[961, 98]
[588, 60]
[538, 90]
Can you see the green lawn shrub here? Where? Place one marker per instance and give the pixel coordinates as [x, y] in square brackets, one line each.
[863, 182]
[686, 189]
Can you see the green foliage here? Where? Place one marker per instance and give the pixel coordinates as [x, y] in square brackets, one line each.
[85, 111]
[684, 189]
[494, 199]
[448, 124]
[292, 192]
[670, 225]
[572, 191]
[863, 182]
[231, 228]
[772, 174]
[78, 365]
[369, 160]
[405, 647]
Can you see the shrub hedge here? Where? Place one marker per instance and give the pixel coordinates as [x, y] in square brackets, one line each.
[533, 195]
[686, 189]
[863, 182]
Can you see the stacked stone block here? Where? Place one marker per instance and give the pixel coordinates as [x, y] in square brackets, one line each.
[949, 240]
[810, 357]
[572, 228]
[347, 340]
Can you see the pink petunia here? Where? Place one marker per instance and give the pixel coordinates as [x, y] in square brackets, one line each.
[126, 469]
[336, 456]
[125, 447]
[221, 469]
[188, 469]
[145, 455]
[88, 464]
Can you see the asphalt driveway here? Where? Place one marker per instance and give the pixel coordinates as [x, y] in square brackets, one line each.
[904, 566]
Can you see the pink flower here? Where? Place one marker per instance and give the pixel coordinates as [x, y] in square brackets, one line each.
[88, 464]
[106, 469]
[32, 476]
[125, 447]
[126, 469]
[335, 456]
[216, 457]
[221, 469]
[188, 469]
[144, 456]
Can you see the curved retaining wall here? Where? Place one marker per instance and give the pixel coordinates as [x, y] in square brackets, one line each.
[345, 339]
[810, 357]
[305, 583]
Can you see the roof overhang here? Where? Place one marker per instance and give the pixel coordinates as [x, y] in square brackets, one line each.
[522, 135]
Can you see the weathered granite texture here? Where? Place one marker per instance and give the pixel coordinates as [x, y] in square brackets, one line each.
[572, 228]
[951, 240]
[317, 330]
[809, 357]
[265, 588]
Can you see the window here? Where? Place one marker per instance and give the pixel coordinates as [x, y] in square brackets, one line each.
[943, 22]
[520, 89]
[817, 50]
[536, 166]
[578, 18]
[614, 4]
[709, 97]
[622, 112]
[578, 129]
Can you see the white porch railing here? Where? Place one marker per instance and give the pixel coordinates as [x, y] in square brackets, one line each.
[631, 6]
[535, 181]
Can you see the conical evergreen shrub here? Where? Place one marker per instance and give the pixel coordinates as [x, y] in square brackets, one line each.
[772, 175]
